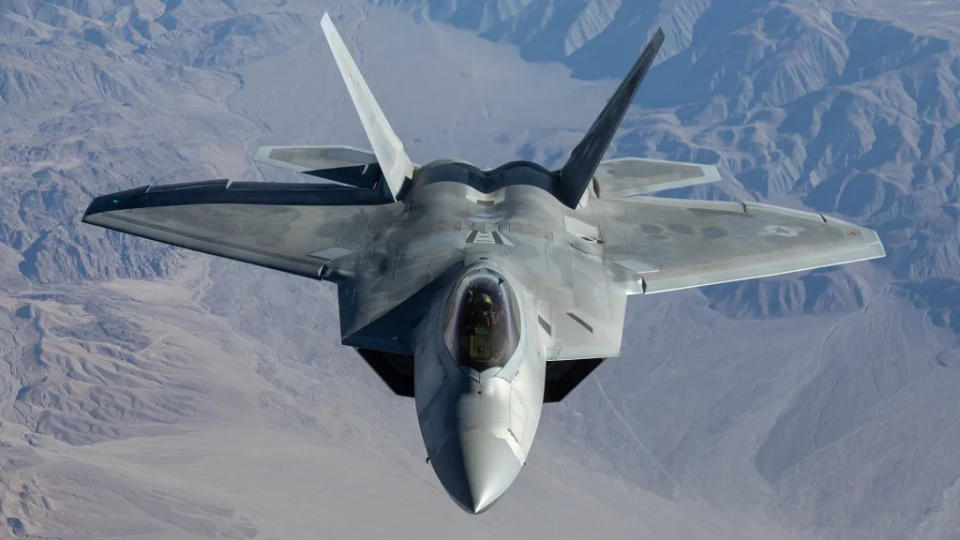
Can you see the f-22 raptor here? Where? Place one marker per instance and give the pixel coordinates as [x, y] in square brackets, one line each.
[484, 293]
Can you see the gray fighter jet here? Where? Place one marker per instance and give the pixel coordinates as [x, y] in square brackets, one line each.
[484, 293]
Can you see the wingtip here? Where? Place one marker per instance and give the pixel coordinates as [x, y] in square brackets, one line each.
[87, 213]
[105, 203]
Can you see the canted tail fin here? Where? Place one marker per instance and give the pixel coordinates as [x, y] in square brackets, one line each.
[576, 174]
[394, 163]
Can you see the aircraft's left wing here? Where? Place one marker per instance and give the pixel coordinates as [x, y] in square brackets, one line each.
[670, 244]
[296, 228]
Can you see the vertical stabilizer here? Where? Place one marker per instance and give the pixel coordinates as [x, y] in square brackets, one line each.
[576, 174]
[394, 163]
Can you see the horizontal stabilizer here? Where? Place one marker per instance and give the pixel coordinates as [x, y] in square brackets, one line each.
[628, 177]
[564, 375]
[351, 166]
[306, 159]
[396, 370]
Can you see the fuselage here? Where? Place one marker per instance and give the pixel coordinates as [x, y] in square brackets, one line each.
[479, 390]
[479, 365]
[480, 337]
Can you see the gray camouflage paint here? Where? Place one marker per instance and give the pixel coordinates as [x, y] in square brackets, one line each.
[572, 244]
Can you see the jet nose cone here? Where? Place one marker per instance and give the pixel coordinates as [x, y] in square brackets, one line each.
[476, 468]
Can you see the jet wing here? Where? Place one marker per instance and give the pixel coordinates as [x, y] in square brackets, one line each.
[296, 228]
[670, 244]
[628, 177]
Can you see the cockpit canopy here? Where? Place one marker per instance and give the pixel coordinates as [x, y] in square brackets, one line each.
[482, 322]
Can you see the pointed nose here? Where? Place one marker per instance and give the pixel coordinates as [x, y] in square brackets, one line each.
[476, 468]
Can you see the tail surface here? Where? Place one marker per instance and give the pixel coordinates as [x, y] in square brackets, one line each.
[576, 174]
[394, 163]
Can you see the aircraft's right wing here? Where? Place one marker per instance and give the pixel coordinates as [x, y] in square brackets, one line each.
[669, 244]
[296, 228]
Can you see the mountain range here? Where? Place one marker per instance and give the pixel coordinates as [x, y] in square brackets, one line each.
[150, 392]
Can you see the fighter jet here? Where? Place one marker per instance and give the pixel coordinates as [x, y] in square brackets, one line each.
[484, 293]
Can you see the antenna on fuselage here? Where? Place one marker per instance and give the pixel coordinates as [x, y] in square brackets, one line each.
[388, 148]
[578, 171]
